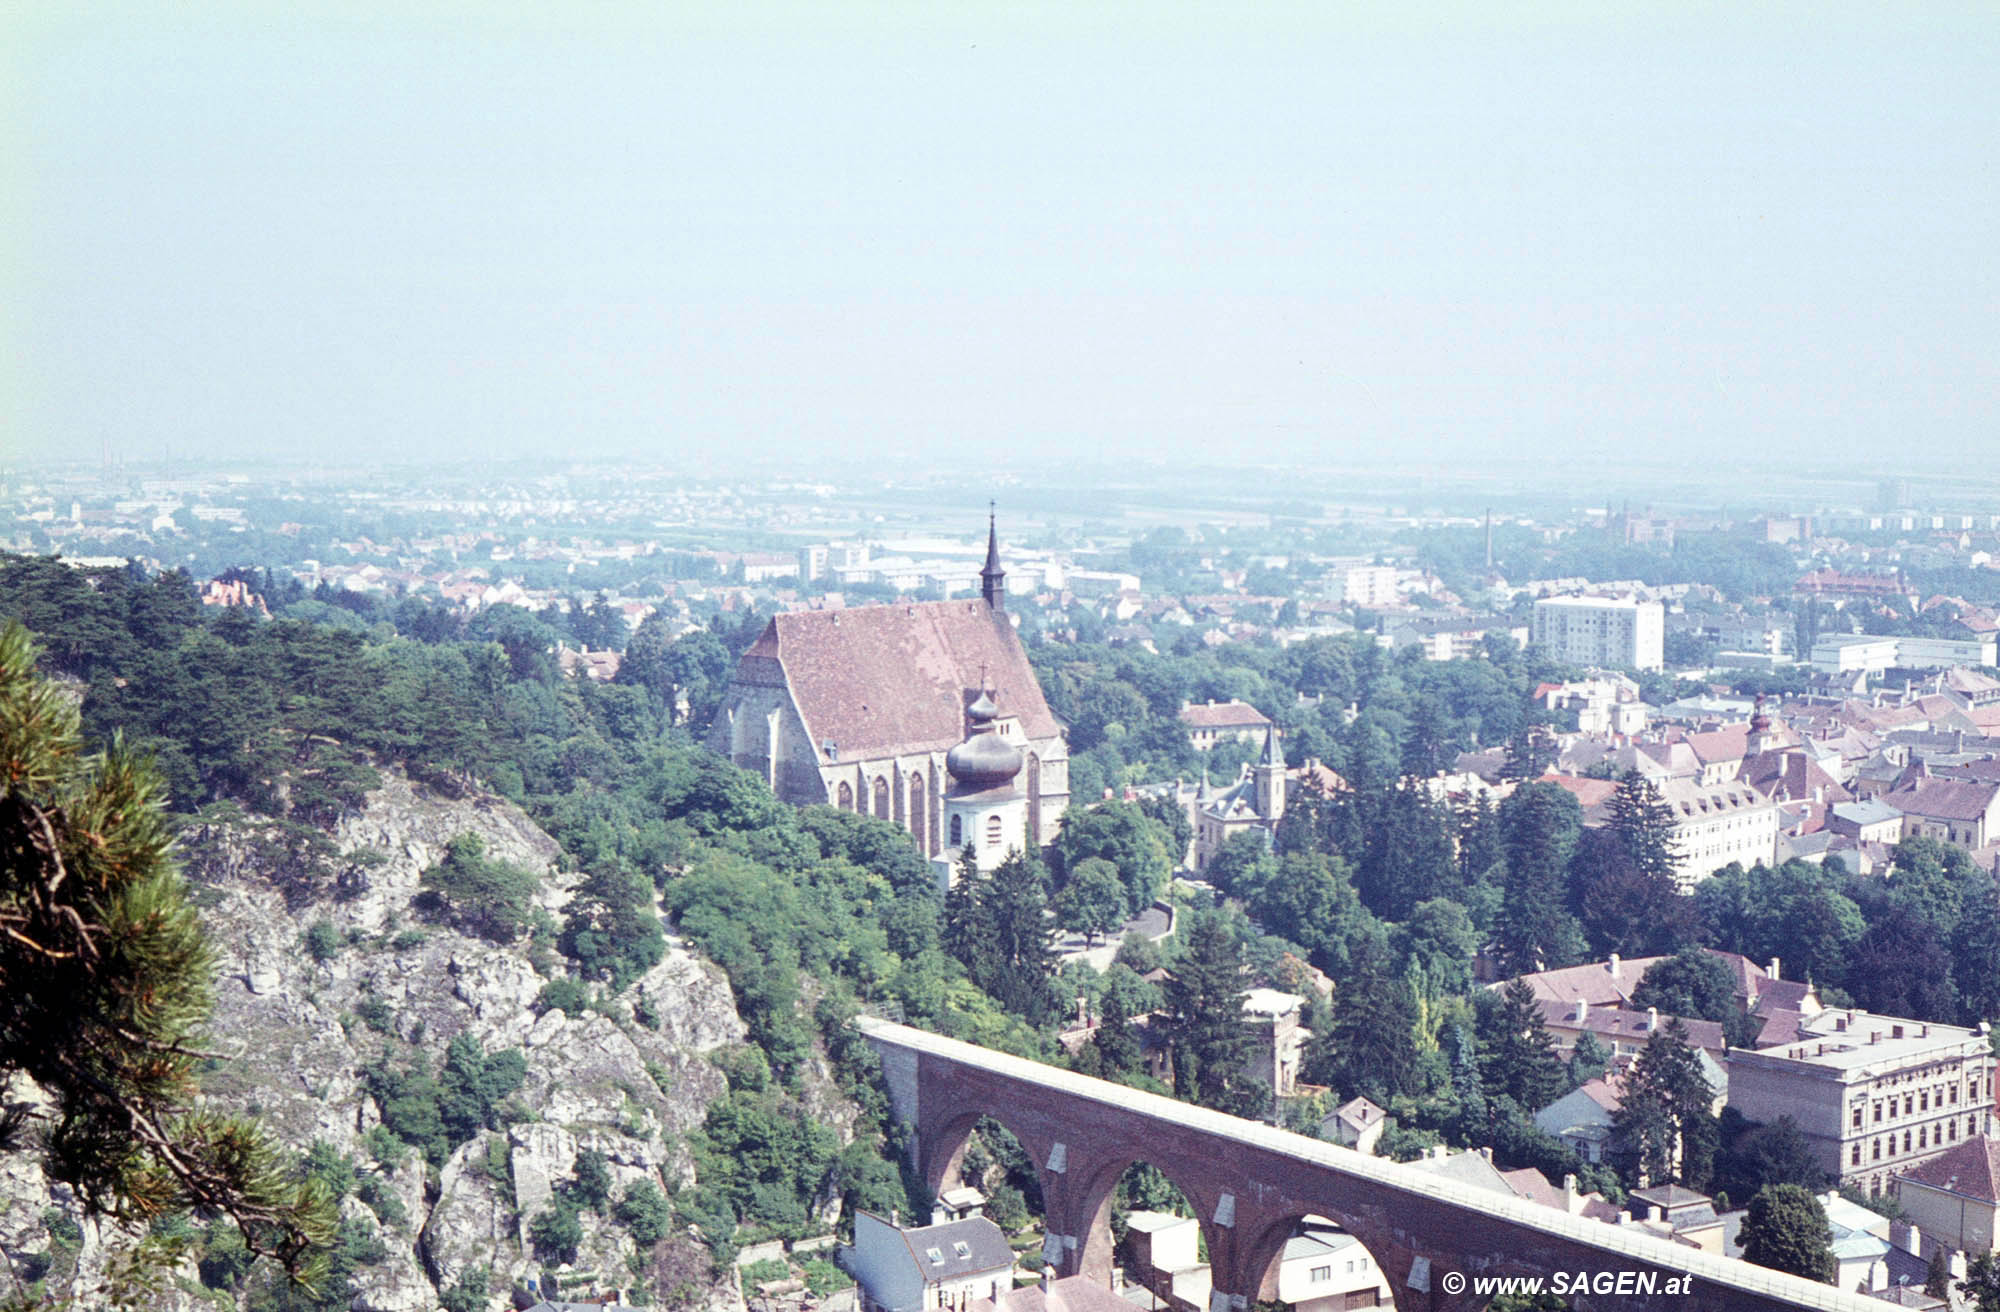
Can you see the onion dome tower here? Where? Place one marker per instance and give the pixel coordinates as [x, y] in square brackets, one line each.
[1760, 738]
[985, 808]
[984, 761]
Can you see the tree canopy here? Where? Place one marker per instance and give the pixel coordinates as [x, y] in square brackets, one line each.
[1786, 1229]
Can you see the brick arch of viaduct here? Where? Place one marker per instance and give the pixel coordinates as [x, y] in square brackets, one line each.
[1250, 1183]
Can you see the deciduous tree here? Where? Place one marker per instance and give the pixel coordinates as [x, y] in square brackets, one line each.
[1786, 1229]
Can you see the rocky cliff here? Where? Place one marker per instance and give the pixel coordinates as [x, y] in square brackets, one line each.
[299, 1029]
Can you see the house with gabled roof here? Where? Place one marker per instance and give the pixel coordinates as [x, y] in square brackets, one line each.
[1356, 1123]
[1719, 824]
[1207, 723]
[1962, 811]
[1582, 1118]
[927, 1268]
[1955, 1197]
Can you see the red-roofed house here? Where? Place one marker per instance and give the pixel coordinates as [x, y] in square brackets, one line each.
[1953, 1196]
[1590, 794]
[1623, 1033]
[1720, 752]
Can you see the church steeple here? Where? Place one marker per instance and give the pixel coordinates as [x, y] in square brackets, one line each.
[1269, 777]
[992, 578]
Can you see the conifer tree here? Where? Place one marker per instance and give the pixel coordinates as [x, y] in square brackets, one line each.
[1204, 1009]
[1117, 1049]
[1644, 826]
[105, 990]
[1372, 1050]
[968, 929]
[1519, 1057]
[1663, 1121]
[1023, 961]
[1539, 824]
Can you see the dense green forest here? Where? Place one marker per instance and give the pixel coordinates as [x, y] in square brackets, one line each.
[816, 913]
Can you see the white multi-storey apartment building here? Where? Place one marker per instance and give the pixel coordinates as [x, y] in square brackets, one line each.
[1609, 631]
[1716, 824]
[1874, 1095]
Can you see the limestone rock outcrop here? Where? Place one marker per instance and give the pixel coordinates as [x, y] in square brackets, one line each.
[299, 1034]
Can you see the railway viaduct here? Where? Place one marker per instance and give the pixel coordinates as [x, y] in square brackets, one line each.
[1250, 1183]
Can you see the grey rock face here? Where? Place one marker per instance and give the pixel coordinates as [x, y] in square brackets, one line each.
[298, 1034]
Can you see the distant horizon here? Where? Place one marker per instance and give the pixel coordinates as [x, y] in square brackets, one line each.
[1505, 487]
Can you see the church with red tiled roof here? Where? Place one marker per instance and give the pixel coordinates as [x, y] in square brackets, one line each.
[860, 707]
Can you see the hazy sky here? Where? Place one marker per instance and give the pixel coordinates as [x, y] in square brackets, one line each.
[1337, 230]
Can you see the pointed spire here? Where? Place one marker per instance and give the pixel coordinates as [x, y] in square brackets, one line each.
[992, 578]
[1271, 754]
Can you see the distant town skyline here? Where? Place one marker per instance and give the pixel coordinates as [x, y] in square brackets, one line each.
[1429, 234]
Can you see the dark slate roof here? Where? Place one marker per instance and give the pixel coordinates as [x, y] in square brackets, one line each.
[885, 680]
[1970, 1167]
[985, 1248]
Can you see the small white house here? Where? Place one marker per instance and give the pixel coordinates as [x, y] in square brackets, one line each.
[928, 1268]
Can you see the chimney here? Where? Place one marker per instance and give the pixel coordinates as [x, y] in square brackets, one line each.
[1045, 1282]
[1572, 1201]
[1652, 1019]
[1614, 965]
[1913, 1241]
[1582, 1011]
[1772, 969]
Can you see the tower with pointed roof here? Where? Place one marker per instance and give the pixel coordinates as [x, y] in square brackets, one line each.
[992, 578]
[1269, 775]
[1255, 801]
